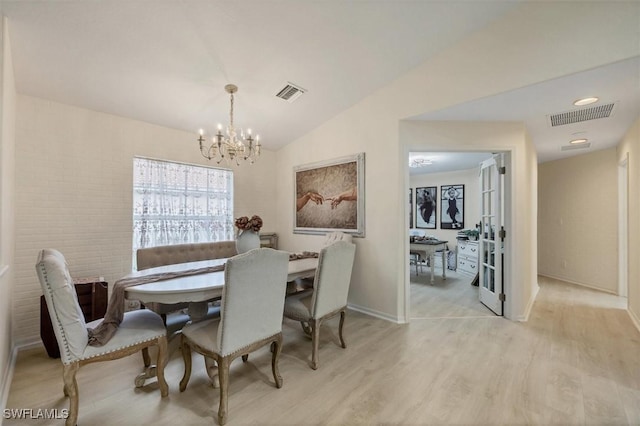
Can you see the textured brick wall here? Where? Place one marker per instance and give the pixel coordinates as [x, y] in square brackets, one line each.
[73, 192]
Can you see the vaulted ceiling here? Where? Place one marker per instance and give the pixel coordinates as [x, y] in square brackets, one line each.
[167, 62]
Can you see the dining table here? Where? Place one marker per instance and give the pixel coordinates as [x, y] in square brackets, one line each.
[197, 289]
[427, 249]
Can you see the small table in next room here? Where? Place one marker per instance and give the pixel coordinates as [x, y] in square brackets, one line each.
[428, 249]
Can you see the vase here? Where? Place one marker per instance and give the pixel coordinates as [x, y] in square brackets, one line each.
[247, 240]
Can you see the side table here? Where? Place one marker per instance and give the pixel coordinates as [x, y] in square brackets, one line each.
[92, 296]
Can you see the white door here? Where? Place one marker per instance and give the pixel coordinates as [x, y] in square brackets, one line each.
[491, 234]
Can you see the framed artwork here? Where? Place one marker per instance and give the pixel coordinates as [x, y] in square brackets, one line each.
[410, 208]
[452, 211]
[426, 207]
[329, 196]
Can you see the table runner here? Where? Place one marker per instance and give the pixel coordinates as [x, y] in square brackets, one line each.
[100, 335]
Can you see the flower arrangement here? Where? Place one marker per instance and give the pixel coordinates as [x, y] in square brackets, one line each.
[254, 224]
[472, 234]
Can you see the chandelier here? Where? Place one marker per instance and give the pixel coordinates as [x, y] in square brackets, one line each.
[231, 146]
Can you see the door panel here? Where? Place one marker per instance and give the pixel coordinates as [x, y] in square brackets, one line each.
[491, 246]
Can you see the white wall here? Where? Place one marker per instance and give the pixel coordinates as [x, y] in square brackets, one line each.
[73, 184]
[630, 146]
[7, 181]
[470, 179]
[578, 233]
[502, 57]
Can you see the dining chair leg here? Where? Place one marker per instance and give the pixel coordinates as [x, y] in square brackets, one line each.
[223, 376]
[146, 359]
[71, 385]
[186, 356]
[276, 348]
[342, 342]
[161, 361]
[306, 329]
[315, 342]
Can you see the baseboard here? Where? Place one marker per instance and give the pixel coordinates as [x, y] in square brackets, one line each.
[579, 283]
[634, 319]
[374, 313]
[7, 379]
[532, 300]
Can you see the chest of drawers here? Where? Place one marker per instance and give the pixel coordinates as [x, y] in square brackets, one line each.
[468, 257]
[92, 297]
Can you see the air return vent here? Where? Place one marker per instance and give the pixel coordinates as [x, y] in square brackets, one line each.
[290, 92]
[583, 114]
[575, 146]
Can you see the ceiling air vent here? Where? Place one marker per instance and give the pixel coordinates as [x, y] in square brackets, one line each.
[575, 146]
[290, 92]
[578, 115]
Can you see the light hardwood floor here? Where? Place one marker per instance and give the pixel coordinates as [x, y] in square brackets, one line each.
[446, 298]
[575, 362]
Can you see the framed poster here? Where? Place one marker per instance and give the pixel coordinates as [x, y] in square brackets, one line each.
[329, 196]
[426, 207]
[410, 208]
[452, 211]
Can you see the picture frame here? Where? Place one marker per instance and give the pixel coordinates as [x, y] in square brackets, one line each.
[427, 207]
[410, 208]
[329, 196]
[452, 207]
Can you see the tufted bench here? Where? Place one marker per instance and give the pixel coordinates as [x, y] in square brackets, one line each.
[181, 253]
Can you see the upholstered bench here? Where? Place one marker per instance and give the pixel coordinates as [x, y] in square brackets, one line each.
[182, 253]
[153, 257]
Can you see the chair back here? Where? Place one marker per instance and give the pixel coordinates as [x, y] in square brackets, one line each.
[252, 303]
[62, 301]
[333, 277]
[333, 237]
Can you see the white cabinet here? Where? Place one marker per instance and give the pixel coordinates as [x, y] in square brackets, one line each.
[468, 257]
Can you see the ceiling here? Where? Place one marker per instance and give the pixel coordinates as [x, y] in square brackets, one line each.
[167, 62]
[617, 83]
[442, 162]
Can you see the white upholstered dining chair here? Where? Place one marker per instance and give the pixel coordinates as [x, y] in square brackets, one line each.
[250, 318]
[333, 237]
[328, 297]
[138, 331]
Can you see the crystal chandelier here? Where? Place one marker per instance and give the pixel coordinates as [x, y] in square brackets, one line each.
[231, 146]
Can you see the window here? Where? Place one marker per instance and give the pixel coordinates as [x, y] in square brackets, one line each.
[175, 203]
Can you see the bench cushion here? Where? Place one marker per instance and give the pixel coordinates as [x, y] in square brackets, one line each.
[182, 253]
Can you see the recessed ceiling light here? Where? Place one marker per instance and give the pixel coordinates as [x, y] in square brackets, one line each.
[586, 101]
[577, 141]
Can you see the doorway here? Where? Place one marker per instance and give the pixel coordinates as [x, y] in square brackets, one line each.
[455, 296]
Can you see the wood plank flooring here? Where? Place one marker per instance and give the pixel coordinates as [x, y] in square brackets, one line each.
[575, 362]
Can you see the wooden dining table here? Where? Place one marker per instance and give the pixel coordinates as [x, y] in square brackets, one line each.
[428, 249]
[197, 290]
